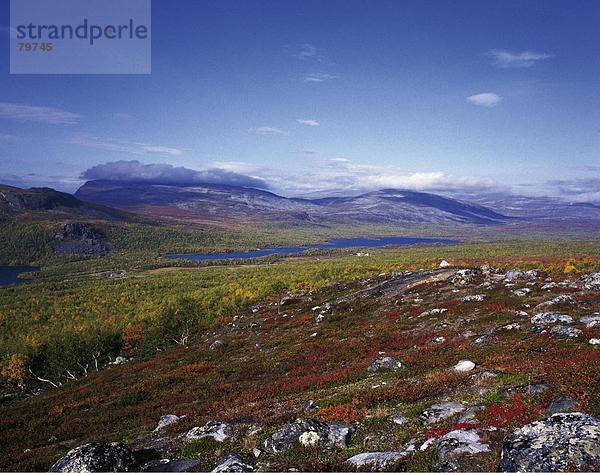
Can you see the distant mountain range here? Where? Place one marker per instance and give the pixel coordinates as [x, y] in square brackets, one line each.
[210, 203]
[221, 203]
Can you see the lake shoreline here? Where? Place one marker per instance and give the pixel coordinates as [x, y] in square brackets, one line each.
[336, 243]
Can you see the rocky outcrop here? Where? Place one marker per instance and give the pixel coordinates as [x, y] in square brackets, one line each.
[166, 420]
[563, 442]
[462, 277]
[80, 239]
[232, 463]
[375, 461]
[562, 331]
[548, 318]
[96, 457]
[309, 433]
[591, 282]
[219, 431]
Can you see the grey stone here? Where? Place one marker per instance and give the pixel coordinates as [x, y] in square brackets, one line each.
[439, 412]
[165, 420]
[219, 431]
[385, 363]
[232, 463]
[548, 318]
[309, 432]
[375, 461]
[474, 298]
[591, 281]
[590, 320]
[562, 403]
[217, 345]
[459, 442]
[399, 420]
[94, 457]
[562, 331]
[534, 389]
[463, 277]
[563, 442]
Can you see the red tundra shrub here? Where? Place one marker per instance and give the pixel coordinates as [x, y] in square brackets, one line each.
[342, 412]
[515, 412]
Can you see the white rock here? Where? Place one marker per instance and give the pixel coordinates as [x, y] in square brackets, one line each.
[444, 264]
[165, 420]
[464, 365]
[594, 341]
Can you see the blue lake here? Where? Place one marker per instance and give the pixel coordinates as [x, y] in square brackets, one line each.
[10, 274]
[334, 243]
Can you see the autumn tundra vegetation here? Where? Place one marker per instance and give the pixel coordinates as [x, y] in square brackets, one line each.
[123, 340]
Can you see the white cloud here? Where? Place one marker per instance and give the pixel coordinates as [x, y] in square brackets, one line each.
[577, 190]
[318, 77]
[159, 149]
[31, 113]
[308, 122]
[342, 174]
[308, 52]
[486, 99]
[507, 59]
[237, 166]
[268, 130]
[124, 147]
[308, 152]
[163, 173]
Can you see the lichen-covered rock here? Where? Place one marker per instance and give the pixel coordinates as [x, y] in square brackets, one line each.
[562, 331]
[442, 411]
[385, 363]
[463, 277]
[563, 442]
[514, 275]
[590, 321]
[310, 433]
[558, 300]
[474, 298]
[459, 442]
[96, 457]
[232, 463]
[375, 461]
[548, 318]
[591, 281]
[220, 431]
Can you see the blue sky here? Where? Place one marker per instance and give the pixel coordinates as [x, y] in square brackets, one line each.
[315, 95]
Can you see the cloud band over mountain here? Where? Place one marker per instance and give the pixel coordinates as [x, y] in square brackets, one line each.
[135, 171]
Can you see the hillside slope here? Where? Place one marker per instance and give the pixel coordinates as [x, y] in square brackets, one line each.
[46, 203]
[432, 368]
